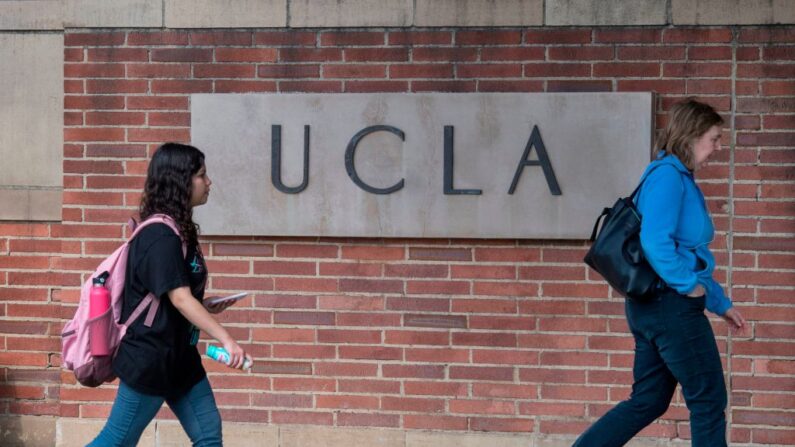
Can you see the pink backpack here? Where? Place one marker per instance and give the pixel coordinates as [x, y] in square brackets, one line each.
[76, 336]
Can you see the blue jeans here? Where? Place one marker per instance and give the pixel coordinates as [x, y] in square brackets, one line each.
[674, 343]
[132, 411]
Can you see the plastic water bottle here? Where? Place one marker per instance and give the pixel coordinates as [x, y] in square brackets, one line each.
[220, 354]
[98, 304]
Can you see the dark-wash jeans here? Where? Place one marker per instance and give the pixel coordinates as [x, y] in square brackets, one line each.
[674, 343]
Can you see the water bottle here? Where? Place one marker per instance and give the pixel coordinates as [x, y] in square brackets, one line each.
[99, 299]
[220, 354]
[98, 304]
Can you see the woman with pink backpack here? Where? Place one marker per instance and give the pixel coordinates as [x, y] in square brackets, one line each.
[159, 362]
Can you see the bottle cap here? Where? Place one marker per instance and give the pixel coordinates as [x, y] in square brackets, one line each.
[100, 280]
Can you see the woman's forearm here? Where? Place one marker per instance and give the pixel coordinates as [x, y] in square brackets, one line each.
[192, 309]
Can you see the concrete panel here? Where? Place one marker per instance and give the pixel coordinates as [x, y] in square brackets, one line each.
[116, 13]
[27, 203]
[27, 431]
[597, 145]
[29, 15]
[31, 125]
[424, 439]
[479, 13]
[733, 12]
[72, 432]
[605, 12]
[171, 434]
[345, 13]
[340, 437]
[225, 13]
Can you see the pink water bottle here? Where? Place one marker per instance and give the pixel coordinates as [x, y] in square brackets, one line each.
[98, 304]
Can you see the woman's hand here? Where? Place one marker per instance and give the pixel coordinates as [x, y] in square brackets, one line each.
[735, 321]
[698, 292]
[237, 356]
[218, 307]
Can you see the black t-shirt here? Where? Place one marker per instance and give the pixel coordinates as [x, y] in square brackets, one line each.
[161, 360]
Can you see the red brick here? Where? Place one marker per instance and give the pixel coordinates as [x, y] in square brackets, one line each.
[227, 86]
[306, 284]
[155, 135]
[758, 70]
[445, 54]
[347, 402]
[482, 407]
[354, 71]
[626, 70]
[310, 54]
[499, 322]
[438, 287]
[349, 269]
[212, 38]
[412, 404]
[697, 35]
[157, 103]
[345, 302]
[420, 38]
[416, 270]
[509, 53]
[419, 371]
[370, 353]
[182, 55]
[87, 70]
[245, 55]
[490, 37]
[115, 118]
[303, 318]
[558, 36]
[440, 254]
[435, 354]
[73, 54]
[673, 86]
[696, 70]
[712, 86]
[443, 86]
[351, 38]
[181, 86]
[94, 134]
[418, 304]
[624, 35]
[651, 53]
[348, 336]
[284, 38]
[169, 71]
[296, 351]
[481, 305]
[246, 250]
[557, 70]
[783, 53]
[583, 52]
[175, 119]
[224, 71]
[417, 338]
[510, 86]
[421, 71]
[709, 53]
[284, 268]
[579, 86]
[766, 35]
[95, 39]
[378, 54]
[93, 102]
[488, 71]
[158, 38]
[311, 86]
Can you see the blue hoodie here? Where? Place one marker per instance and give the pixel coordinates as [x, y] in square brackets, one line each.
[676, 230]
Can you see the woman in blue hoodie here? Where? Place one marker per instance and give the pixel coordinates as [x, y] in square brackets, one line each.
[674, 342]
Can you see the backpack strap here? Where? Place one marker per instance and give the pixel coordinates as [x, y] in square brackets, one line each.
[151, 300]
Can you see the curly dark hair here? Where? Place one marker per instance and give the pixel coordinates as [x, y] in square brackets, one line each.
[168, 186]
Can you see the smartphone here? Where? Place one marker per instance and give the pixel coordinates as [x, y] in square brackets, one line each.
[222, 299]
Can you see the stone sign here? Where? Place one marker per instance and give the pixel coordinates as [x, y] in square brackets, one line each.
[459, 165]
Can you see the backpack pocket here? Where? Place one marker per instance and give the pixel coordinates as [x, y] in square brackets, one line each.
[100, 333]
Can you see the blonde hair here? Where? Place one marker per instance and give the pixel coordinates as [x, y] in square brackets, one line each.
[687, 121]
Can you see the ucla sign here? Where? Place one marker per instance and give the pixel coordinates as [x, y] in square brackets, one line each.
[480, 165]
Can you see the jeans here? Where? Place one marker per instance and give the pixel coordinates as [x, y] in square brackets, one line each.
[674, 343]
[132, 411]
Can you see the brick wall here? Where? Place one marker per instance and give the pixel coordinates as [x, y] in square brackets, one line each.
[464, 335]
